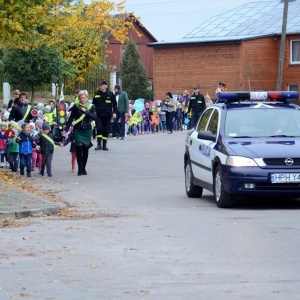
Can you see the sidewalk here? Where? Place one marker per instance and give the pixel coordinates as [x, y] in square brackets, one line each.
[20, 198]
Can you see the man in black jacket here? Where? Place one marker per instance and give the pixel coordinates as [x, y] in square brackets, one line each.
[21, 111]
[106, 108]
[196, 106]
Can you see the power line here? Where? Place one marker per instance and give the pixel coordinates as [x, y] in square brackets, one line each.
[168, 3]
[155, 4]
[180, 13]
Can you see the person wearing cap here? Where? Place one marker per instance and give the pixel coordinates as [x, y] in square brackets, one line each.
[82, 115]
[123, 108]
[21, 111]
[196, 105]
[106, 108]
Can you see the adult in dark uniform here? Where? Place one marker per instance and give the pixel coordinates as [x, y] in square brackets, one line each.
[196, 106]
[106, 108]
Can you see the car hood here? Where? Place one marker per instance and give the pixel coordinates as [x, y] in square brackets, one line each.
[266, 148]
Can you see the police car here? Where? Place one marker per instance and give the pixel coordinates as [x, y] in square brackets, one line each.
[246, 144]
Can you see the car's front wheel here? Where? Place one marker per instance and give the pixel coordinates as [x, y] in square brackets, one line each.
[192, 190]
[223, 199]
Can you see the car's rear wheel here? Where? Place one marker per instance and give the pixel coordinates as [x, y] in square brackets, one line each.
[223, 199]
[192, 190]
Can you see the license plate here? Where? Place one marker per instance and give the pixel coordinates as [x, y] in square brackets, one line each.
[285, 177]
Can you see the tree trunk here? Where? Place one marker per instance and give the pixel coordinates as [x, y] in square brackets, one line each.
[32, 96]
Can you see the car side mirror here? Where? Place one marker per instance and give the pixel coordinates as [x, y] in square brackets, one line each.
[206, 135]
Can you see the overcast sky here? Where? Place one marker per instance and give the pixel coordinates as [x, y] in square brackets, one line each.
[173, 19]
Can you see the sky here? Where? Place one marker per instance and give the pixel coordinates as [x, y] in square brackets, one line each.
[169, 20]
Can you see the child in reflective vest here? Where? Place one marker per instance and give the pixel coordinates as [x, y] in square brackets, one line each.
[46, 146]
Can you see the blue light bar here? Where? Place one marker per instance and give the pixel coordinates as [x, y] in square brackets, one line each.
[270, 95]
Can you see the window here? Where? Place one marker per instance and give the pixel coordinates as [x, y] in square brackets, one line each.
[204, 119]
[213, 124]
[293, 87]
[123, 49]
[295, 52]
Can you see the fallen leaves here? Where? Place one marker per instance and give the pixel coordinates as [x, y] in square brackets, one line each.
[94, 266]
[130, 249]
[7, 222]
[143, 293]
[13, 182]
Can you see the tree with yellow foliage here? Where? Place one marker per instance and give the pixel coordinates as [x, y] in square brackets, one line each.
[82, 31]
[21, 21]
[77, 30]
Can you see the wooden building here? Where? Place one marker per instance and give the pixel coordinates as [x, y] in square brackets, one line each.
[142, 37]
[240, 48]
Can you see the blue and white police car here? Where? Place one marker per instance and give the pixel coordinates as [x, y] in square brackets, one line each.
[245, 144]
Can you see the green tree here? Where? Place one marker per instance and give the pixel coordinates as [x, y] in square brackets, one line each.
[32, 68]
[133, 74]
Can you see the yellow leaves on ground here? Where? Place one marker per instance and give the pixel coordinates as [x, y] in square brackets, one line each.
[7, 222]
[94, 266]
[14, 181]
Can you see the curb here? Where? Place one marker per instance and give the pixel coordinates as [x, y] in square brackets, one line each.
[47, 211]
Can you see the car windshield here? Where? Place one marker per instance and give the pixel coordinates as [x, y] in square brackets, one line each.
[262, 122]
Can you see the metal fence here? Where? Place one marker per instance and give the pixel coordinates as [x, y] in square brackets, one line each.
[90, 84]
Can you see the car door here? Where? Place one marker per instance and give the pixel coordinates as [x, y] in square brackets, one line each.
[207, 148]
[197, 147]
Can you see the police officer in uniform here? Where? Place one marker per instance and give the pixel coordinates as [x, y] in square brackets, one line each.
[106, 107]
[196, 106]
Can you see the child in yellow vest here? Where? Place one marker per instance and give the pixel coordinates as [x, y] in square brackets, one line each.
[46, 147]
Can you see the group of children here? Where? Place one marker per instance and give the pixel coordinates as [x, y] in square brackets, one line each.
[27, 147]
[152, 119]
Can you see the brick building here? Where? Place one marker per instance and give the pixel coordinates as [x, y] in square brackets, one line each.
[240, 48]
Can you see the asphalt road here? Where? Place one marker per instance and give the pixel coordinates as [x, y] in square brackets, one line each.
[130, 232]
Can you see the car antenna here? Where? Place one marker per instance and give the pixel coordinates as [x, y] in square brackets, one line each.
[249, 85]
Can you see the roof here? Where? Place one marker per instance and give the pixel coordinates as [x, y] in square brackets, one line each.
[251, 20]
[130, 17]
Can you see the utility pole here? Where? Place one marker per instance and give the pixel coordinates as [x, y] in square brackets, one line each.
[282, 44]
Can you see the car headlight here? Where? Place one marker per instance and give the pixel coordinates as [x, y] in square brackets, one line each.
[240, 161]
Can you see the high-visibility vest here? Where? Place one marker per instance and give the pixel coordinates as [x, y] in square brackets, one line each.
[135, 118]
[49, 118]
